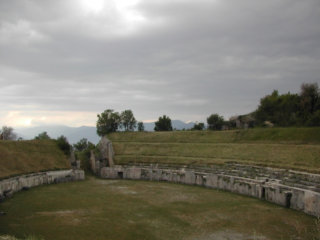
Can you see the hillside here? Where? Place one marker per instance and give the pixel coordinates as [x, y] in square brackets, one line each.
[19, 157]
[292, 148]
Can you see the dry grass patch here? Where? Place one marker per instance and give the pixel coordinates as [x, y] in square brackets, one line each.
[20, 157]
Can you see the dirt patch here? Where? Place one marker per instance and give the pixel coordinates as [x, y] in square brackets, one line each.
[123, 190]
[68, 217]
[61, 213]
[229, 235]
[181, 197]
[105, 182]
[6, 237]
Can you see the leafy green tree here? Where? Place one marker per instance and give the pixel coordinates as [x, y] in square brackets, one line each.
[163, 124]
[314, 119]
[128, 122]
[198, 126]
[6, 133]
[287, 114]
[215, 122]
[64, 145]
[108, 121]
[140, 127]
[81, 145]
[310, 101]
[42, 136]
[267, 107]
[82, 152]
[281, 110]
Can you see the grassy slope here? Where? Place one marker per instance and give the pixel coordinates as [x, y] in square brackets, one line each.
[110, 209]
[19, 157]
[295, 148]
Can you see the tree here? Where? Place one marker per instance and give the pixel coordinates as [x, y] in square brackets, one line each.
[81, 145]
[6, 133]
[140, 127]
[128, 122]
[163, 124]
[267, 108]
[42, 136]
[314, 120]
[108, 121]
[83, 151]
[281, 110]
[64, 145]
[198, 126]
[309, 101]
[215, 122]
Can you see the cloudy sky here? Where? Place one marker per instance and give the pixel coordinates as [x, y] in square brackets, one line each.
[64, 61]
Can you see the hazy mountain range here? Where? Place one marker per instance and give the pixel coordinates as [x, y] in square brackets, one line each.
[74, 134]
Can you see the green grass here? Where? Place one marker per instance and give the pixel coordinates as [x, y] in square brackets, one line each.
[257, 135]
[291, 148]
[20, 157]
[118, 209]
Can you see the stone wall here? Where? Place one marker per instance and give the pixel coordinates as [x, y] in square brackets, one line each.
[103, 157]
[273, 185]
[15, 184]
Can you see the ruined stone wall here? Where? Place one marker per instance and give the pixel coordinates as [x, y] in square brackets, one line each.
[15, 184]
[103, 157]
[296, 190]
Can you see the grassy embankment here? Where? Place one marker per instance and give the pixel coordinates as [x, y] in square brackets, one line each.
[20, 157]
[291, 148]
[111, 209]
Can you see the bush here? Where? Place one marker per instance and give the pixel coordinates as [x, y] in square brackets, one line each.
[64, 145]
[42, 136]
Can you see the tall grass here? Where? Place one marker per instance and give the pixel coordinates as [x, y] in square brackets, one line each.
[19, 157]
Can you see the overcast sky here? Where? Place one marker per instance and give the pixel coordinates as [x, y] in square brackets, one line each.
[64, 61]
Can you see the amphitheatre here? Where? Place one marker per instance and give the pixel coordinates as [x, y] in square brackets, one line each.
[261, 183]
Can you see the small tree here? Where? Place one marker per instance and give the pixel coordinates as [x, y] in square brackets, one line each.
[42, 136]
[82, 152]
[163, 124]
[107, 122]
[215, 122]
[198, 126]
[140, 127]
[64, 145]
[81, 145]
[6, 133]
[128, 122]
[309, 102]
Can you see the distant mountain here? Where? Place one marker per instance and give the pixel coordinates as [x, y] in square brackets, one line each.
[180, 125]
[176, 124]
[73, 134]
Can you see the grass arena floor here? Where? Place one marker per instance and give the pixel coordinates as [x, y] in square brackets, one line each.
[121, 209]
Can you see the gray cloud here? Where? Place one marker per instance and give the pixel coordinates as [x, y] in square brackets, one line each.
[186, 59]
